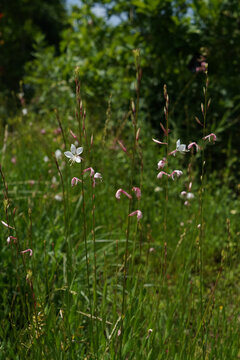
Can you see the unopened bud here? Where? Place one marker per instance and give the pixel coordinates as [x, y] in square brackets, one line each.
[133, 107]
[137, 134]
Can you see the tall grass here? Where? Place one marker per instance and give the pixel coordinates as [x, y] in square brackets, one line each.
[101, 284]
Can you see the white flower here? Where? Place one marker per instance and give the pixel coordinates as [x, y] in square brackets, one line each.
[190, 196]
[58, 197]
[24, 111]
[58, 154]
[46, 158]
[98, 176]
[181, 147]
[73, 155]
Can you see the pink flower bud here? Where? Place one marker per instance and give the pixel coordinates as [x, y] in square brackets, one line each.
[159, 142]
[75, 181]
[173, 153]
[28, 250]
[162, 163]
[138, 213]
[122, 146]
[118, 194]
[164, 130]
[137, 191]
[92, 172]
[210, 137]
[137, 134]
[6, 225]
[177, 172]
[73, 135]
[13, 160]
[11, 238]
[160, 175]
[193, 144]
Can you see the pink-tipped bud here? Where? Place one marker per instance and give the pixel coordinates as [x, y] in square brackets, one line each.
[26, 251]
[137, 134]
[73, 135]
[92, 172]
[159, 142]
[137, 191]
[75, 181]
[183, 193]
[118, 194]
[97, 176]
[193, 144]
[164, 130]
[13, 160]
[138, 213]
[122, 146]
[210, 137]
[177, 173]
[6, 225]
[11, 238]
[133, 107]
[190, 186]
[160, 175]
[162, 163]
[173, 153]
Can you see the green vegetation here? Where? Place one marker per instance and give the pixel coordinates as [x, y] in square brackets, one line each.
[80, 278]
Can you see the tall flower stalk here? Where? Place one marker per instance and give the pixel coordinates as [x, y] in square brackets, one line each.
[204, 108]
[80, 115]
[134, 116]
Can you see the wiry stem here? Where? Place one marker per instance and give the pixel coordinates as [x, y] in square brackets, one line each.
[201, 199]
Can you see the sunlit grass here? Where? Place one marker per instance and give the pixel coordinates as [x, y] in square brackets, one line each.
[114, 286]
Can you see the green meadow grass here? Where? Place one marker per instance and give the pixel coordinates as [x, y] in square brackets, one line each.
[100, 284]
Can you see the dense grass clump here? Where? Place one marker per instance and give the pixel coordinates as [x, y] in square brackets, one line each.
[130, 251]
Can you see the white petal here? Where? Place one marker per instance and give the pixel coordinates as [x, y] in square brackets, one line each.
[68, 154]
[73, 149]
[182, 147]
[77, 159]
[178, 144]
[79, 150]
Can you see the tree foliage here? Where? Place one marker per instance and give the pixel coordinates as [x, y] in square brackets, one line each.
[173, 36]
[20, 22]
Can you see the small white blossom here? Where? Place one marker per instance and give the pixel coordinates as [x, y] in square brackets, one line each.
[181, 147]
[58, 154]
[73, 155]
